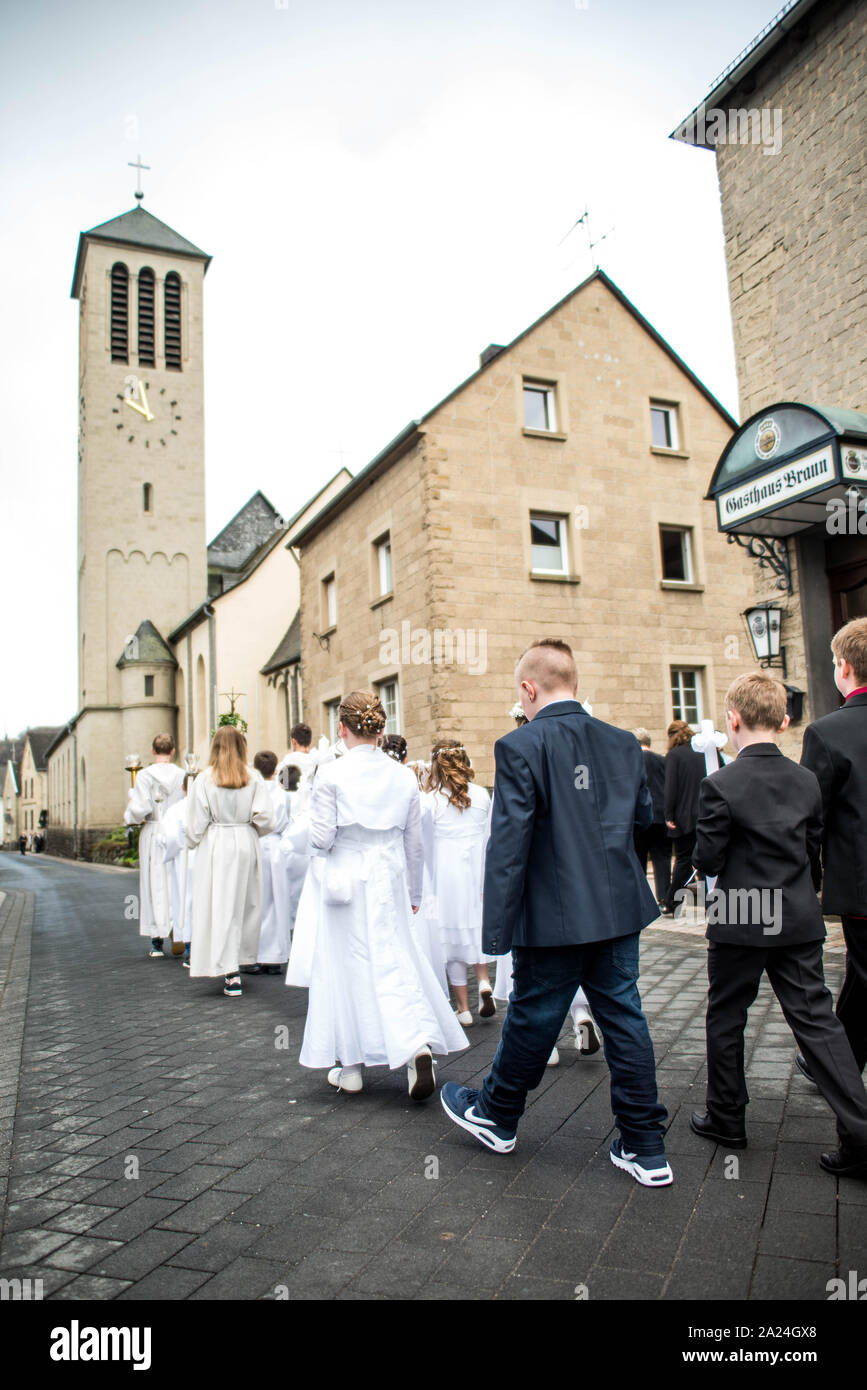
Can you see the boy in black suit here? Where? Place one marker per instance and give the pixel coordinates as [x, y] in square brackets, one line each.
[760, 828]
[835, 748]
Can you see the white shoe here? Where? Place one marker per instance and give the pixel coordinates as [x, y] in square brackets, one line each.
[157, 955]
[346, 1079]
[554, 1059]
[587, 1039]
[421, 1075]
[487, 1003]
[465, 1019]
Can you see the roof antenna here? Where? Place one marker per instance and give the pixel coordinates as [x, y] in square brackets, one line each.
[584, 220]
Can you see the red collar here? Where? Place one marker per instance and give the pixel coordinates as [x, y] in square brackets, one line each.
[862, 690]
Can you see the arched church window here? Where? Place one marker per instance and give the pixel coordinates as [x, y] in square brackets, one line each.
[146, 292]
[119, 313]
[173, 321]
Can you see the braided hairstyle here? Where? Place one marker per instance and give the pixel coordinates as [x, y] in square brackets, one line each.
[362, 713]
[395, 746]
[450, 772]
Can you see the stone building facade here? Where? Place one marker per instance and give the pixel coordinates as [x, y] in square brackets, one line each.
[556, 492]
[794, 212]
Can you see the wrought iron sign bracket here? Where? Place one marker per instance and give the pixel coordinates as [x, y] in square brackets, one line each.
[772, 552]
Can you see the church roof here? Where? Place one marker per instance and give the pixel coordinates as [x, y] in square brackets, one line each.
[240, 538]
[136, 228]
[288, 648]
[145, 648]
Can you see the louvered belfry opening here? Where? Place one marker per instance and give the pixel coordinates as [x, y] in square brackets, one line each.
[119, 313]
[146, 340]
[173, 321]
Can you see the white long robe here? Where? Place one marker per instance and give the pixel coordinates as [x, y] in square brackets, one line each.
[157, 788]
[179, 862]
[374, 998]
[276, 927]
[454, 872]
[225, 823]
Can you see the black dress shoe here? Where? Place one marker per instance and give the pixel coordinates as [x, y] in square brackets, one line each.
[801, 1064]
[845, 1163]
[251, 969]
[706, 1126]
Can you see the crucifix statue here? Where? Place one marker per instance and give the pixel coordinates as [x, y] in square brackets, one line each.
[137, 164]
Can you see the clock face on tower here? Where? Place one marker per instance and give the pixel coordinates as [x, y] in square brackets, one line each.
[147, 417]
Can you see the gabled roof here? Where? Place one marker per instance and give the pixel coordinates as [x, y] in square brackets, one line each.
[40, 740]
[145, 648]
[136, 228]
[249, 529]
[411, 432]
[288, 648]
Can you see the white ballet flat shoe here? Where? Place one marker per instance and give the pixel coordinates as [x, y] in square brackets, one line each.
[554, 1059]
[587, 1040]
[421, 1075]
[487, 1003]
[350, 1082]
[465, 1019]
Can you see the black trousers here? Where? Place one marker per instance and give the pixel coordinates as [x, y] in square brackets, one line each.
[852, 1003]
[684, 845]
[654, 841]
[798, 981]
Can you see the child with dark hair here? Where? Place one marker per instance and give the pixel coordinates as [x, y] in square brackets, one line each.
[275, 934]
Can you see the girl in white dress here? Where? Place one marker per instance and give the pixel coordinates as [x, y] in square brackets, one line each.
[374, 999]
[275, 935]
[455, 816]
[229, 808]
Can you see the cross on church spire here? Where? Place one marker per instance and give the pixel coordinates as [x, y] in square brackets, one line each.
[138, 166]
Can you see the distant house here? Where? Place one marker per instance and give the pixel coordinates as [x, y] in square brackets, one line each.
[25, 782]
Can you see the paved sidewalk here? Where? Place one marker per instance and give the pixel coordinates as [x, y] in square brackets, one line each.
[168, 1145]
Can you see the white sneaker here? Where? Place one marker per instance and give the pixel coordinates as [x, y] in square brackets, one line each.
[587, 1039]
[465, 1019]
[346, 1079]
[157, 955]
[421, 1075]
[554, 1059]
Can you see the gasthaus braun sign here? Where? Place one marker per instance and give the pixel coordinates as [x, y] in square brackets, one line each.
[805, 475]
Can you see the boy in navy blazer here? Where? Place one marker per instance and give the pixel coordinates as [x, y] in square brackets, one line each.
[564, 891]
[760, 829]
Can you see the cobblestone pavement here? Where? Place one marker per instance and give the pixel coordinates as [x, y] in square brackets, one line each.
[168, 1146]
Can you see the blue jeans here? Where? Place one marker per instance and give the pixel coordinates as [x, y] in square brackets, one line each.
[544, 982]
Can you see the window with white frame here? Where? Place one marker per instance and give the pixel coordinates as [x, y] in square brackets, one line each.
[686, 699]
[540, 410]
[548, 544]
[383, 564]
[329, 602]
[388, 697]
[663, 425]
[675, 543]
[331, 720]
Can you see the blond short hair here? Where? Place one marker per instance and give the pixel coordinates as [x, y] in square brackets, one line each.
[549, 664]
[643, 737]
[760, 700]
[850, 644]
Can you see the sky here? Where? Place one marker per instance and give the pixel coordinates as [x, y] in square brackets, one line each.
[385, 186]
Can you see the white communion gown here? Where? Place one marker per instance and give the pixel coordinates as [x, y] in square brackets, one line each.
[454, 842]
[157, 788]
[374, 998]
[276, 928]
[225, 823]
[179, 861]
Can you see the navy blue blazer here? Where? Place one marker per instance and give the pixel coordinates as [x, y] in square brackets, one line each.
[561, 870]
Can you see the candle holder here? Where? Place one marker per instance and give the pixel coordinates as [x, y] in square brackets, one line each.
[133, 765]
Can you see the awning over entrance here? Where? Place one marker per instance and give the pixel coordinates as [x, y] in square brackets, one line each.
[779, 471]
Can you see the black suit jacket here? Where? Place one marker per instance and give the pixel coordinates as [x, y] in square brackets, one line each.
[685, 771]
[835, 749]
[760, 829]
[561, 869]
[654, 770]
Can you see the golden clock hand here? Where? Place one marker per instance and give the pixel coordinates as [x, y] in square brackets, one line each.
[144, 400]
[134, 405]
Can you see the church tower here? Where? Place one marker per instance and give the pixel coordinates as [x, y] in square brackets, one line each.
[142, 556]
